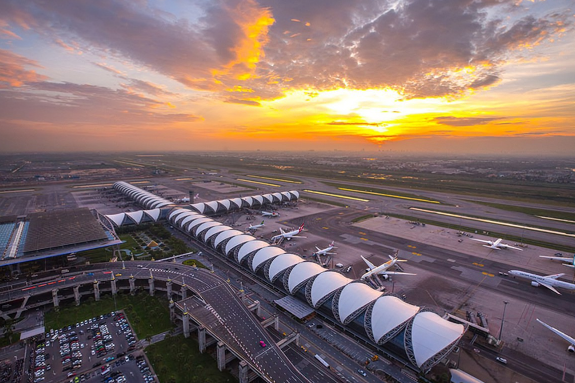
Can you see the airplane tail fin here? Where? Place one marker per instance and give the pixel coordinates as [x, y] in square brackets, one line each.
[262, 222]
[333, 243]
[301, 227]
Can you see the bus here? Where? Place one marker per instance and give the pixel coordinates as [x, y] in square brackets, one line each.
[322, 361]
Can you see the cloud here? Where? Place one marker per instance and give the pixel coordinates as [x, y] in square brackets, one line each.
[146, 87]
[343, 123]
[13, 73]
[465, 121]
[109, 68]
[242, 101]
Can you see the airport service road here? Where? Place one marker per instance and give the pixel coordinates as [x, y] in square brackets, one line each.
[436, 261]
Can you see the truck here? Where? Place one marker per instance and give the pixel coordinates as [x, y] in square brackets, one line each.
[64, 271]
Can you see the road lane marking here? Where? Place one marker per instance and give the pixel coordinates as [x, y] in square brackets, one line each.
[478, 264]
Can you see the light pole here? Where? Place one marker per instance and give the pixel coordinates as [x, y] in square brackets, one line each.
[502, 319]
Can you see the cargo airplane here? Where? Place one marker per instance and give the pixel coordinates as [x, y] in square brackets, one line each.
[496, 245]
[571, 341]
[288, 234]
[570, 261]
[382, 269]
[549, 281]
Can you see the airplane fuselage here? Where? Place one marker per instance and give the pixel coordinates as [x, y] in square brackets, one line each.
[541, 279]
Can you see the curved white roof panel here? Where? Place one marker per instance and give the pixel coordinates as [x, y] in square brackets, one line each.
[184, 215]
[353, 297]
[225, 203]
[286, 195]
[200, 207]
[225, 235]
[215, 230]
[388, 313]
[213, 205]
[258, 198]
[282, 262]
[176, 212]
[237, 240]
[162, 204]
[154, 214]
[268, 198]
[248, 200]
[237, 201]
[326, 284]
[302, 272]
[191, 217]
[278, 196]
[197, 222]
[136, 215]
[264, 255]
[295, 193]
[117, 218]
[206, 225]
[249, 247]
[430, 334]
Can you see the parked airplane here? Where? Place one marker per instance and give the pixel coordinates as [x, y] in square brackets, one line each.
[326, 250]
[289, 234]
[382, 269]
[497, 245]
[255, 227]
[570, 261]
[549, 281]
[272, 214]
[571, 347]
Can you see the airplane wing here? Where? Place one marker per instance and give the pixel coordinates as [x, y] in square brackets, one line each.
[550, 287]
[480, 240]
[395, 273]
[561, 334]
[569, 265]
[508, 246]
[368, 263]
[564, 259]
[318, 249]
[555, 276]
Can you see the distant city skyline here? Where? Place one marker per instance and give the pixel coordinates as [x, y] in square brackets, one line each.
[429, 76]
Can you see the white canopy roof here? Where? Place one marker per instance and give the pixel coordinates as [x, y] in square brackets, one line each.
[213, 205]
[278, 196]
[237, 201]
[200, 207]
[353, 297]
[430, 334]
[302, 272]
[282, 262]
[197, 222]
[258, 198]
[206, 225]
[117, 218]
[264, 255]
[176, 212]
[225, 203]
[225, 235]
[388, 313]
[249, 200]
[214, 230]
[287, 195]
[325, 284]
[189, 218]
[249, 247]
[295, 193]
[237, 240]
[268, 198]
[136, 215]
[154, 213]
[184, 215]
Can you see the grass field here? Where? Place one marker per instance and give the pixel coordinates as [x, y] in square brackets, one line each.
[324, 201]
[178, 360]
[147, 315]
[194, 262]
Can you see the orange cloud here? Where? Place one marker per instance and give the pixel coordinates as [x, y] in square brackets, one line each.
[13, 73]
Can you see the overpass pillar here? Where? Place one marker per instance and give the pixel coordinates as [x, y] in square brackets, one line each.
[184, 291]
[276, 322]
[257, 307]
[77, 295]
[172, 307]
[221, 356]
[186, 325]
[243, 372]
[169, 288]
[202, 338]
[55, 297]
[96, 290]
[151, 285]
[132, 285]
[114, 287]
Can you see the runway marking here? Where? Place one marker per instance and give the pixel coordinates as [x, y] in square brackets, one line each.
[450, 260]
[413, 247]
[555, 219]
[258, 182]
[488, 274]
[478, 264]
[493, 222]
[364, 239]
[327, 228]
[389, 195]
[362, 233]
[418, 254]
[183, 179]
[90, 186]
[336, 195]
[318, 219]
[17, 191]
[274, 179]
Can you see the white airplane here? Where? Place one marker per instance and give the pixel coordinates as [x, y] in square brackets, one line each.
[571, 347]
[496, 245]
[570, 261]
[255, 227]
[289, 234]
[549, 281]
[382, 269]
[272, 214]
[326, 250]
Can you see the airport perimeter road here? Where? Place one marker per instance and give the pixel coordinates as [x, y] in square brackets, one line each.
[227, 315]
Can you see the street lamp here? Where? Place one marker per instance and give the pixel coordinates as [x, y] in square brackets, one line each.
[502, 319]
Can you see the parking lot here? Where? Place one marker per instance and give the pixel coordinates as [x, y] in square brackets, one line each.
[100, 349]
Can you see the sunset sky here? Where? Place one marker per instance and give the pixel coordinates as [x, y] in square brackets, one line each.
[455, 76]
